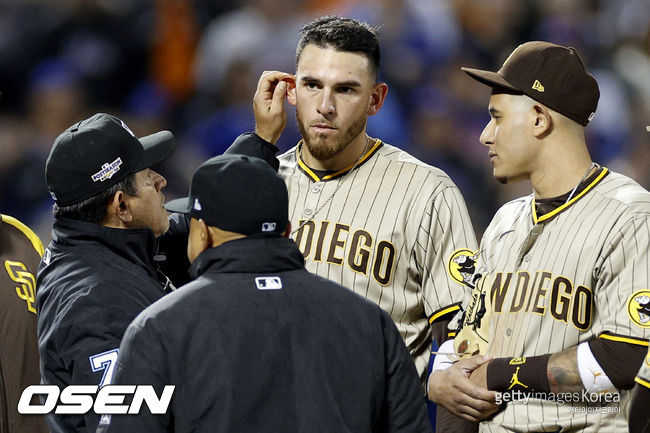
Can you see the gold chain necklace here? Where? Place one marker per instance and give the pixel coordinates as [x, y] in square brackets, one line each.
[591, 167]
[338, 186]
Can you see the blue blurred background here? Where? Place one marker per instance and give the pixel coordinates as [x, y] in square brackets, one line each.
[191, 66]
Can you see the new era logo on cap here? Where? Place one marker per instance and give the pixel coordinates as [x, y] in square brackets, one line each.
[127, 128]
[197, 204]
[538, 86]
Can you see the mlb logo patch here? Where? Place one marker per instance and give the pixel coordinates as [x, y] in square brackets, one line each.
[268, 283]
[268, 227]
[127, 128]
[47, 256]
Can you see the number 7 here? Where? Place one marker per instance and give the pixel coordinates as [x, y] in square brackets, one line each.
[104, 361]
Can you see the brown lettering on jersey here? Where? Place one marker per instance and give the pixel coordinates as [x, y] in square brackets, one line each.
[337, 243]
[566, 305]
[358, 257]
[358, 251]
[521, 290]
[318, 254]
[310, 226]
[384, 262]
[541, 294]
[498, 291]
[583, 301]
[531, 292]
[562, 288]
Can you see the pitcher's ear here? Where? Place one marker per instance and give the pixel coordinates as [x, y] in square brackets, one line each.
[377, 98]
[291, 89]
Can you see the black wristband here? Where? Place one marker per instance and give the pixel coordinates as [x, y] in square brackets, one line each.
[526, 375]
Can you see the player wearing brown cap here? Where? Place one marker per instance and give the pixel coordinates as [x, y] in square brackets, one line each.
[20, 254]
[564, 270]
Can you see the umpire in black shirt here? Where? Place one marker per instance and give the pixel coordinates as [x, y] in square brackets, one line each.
[98, 272]
[256, 343]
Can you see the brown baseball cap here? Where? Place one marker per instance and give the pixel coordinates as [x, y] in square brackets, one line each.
[551, 74]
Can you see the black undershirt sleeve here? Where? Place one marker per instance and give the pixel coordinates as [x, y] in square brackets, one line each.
[252, 145]
[639, 420]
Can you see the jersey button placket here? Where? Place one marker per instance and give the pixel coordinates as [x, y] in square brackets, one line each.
[311, 199]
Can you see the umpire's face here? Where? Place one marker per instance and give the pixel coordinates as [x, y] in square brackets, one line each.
[334, 94]
[509, 137]
[147, 205]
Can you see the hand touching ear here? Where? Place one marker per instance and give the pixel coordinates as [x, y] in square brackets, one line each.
[268, 104]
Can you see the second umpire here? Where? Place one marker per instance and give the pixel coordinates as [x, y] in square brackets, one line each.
[257, 343]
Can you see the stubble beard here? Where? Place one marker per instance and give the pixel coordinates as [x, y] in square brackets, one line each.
[318, 147]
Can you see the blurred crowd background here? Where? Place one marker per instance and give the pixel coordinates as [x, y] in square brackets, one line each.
[191, 66]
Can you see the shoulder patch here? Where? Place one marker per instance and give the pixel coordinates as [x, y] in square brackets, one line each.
[462, 266]
[638, 308]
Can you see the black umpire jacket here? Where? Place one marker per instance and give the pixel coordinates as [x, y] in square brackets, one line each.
[258, 344]
[93, 281]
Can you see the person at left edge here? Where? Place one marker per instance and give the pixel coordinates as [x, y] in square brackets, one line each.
[98, 272]
[20, 254]
[257, 343]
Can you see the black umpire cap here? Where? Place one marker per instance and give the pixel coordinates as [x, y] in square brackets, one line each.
[92, 155]
[237, 193]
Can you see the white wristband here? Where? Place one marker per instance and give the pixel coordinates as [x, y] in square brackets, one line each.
[592, 374]
[442, 361]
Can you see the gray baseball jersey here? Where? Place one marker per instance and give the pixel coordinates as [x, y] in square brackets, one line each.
[575, 273]
[389, 230]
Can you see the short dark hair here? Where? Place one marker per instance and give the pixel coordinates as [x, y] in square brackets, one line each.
[93, 209]
[343, 34]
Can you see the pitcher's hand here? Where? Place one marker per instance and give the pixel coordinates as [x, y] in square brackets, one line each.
[268, 104]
